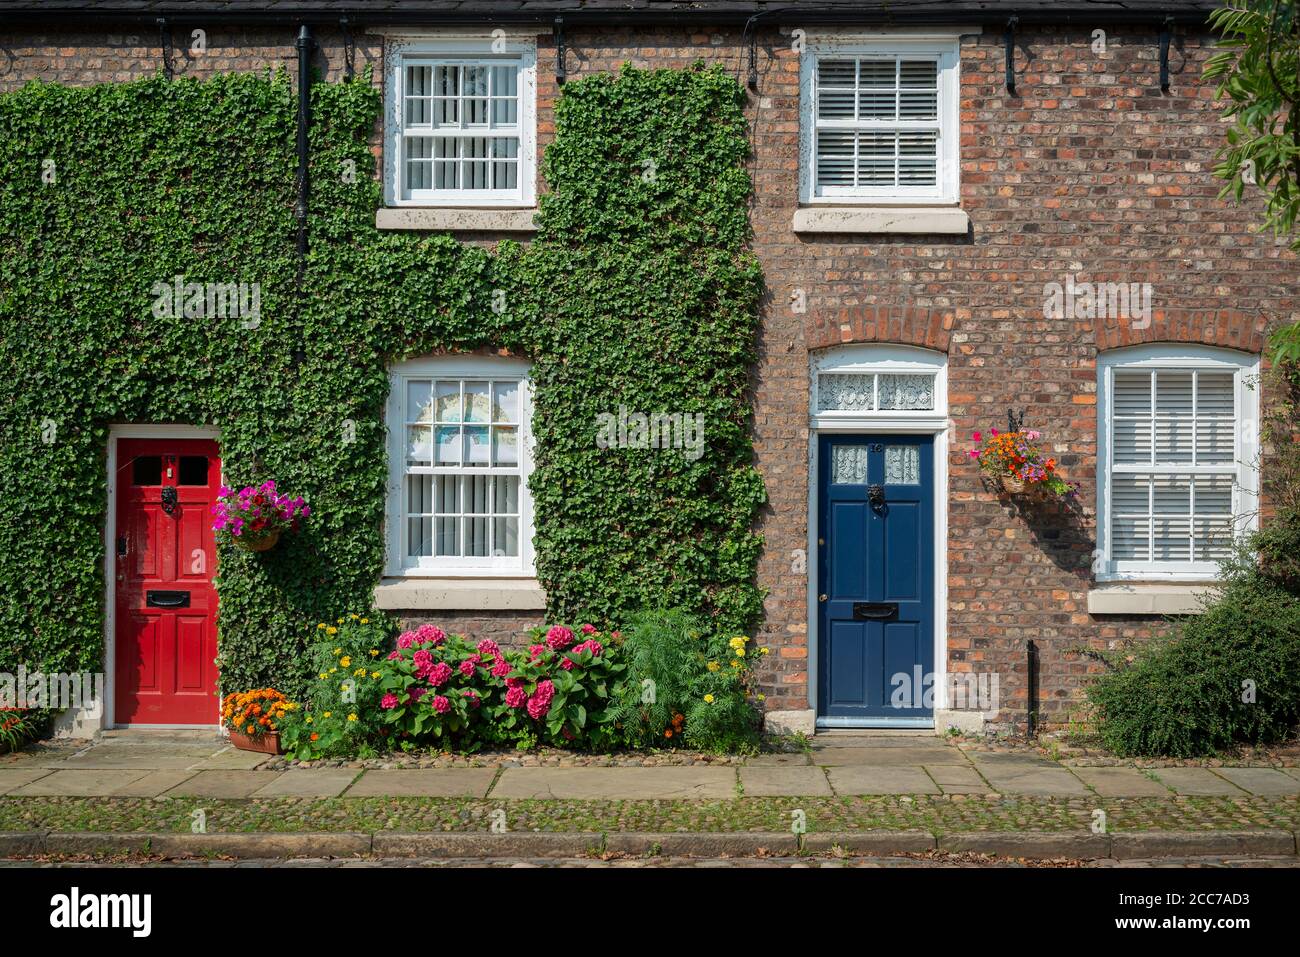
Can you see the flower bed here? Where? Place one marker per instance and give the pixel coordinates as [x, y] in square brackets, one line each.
[569, 689]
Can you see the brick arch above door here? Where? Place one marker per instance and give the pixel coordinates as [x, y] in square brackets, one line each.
[1227, 328]
[901, 325]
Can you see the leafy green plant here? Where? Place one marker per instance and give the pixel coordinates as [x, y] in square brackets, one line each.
[17, 727]
[340, 713]
[689, 684]
[1258, 73]
[1228, 676]
[156, 178]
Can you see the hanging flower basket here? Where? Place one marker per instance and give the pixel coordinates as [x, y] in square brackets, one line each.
[1018, 465]
[255, 517]
[263, 543]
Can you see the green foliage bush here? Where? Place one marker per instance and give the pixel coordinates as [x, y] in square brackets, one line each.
[688, 684]
[636, 292]
[1186, 694]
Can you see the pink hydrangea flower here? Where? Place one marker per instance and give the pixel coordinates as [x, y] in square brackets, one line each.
[566, 664]
[394, 655]
[430, 634]
[388, 702]
[559, 638]
[467, 667]
[474, 701]
[501, 668]
[535, 651]
[418, 693]
[514, 682]
[423, 660]
[441, 704]
[516, 696]
[489, 648]
[588, 629]
[439, 674]
[537, 708]
[592, 645]
[406, 639]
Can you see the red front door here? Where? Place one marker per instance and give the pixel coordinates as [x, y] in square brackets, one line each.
[165, 558]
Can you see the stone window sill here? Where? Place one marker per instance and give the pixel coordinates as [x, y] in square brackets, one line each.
[460, 594]
[455, 219]
[1147, 598]
[882, 219]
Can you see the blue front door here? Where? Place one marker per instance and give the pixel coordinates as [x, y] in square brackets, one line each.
[876, 578]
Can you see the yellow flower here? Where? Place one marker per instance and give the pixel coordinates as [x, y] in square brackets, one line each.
[352, 717]
[340, 621]
[346, 661]
[337, 652]
[332, 670]
[735, 663]
[761, 697]
[322, 676]
[374, 652]
[354, 617]
[764, 650]
[308, 719]
[714, 666]
[375, 675]
[740, 652]
[320, 626]
[327, 714]
[331, 630]
[365, 621]
[708, 698]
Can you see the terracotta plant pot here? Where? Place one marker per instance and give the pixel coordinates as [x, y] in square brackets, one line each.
[268, 743]
[263, 544]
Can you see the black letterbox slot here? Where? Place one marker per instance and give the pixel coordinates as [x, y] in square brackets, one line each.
[167, 599]
[876, 610]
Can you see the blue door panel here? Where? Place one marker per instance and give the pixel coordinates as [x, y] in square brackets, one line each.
[875, 567]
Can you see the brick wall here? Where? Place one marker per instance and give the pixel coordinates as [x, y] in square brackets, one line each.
[1090, 171]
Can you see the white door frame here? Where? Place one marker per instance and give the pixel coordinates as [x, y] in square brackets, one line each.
[115, 433]
[882, 358]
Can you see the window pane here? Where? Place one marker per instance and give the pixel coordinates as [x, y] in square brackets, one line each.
[876, 157]
[835, 158]
[505, 537]
[448, 445]
[1215, 394]
[906, 391]
[846, 392]
[146, 470]
[418, 445]
[418, 407]
[448, 400]
[193, 470]
[505, 445]
[448, 542]
[505, 491]
[919, 91]
[1130, 494]
[1174, 393]
[849, 464]
[478, 405]
[1173, 440]
[1130, 538]
[419, 162]
[835, 80]
[902, 465]
[505, 402]
[918, 163]
[1132, 441]
[476, 445]
[1132, 393]
[476, 537]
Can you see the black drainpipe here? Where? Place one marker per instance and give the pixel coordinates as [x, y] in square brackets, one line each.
[304, 124]
[1031, 705]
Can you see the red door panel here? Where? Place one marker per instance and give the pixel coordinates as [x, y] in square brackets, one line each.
[166, 606]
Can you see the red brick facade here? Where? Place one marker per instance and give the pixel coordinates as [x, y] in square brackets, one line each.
[1090, 170]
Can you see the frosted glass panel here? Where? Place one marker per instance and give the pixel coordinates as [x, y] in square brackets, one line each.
[849, 464]
[906, 391]
[844, 392]
[902, 465]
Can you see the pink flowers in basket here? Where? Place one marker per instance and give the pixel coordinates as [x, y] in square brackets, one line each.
[255, 516]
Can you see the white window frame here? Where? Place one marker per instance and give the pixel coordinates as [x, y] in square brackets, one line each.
[946, 48]
[1245, 494]
[461, 50]
[396, 563]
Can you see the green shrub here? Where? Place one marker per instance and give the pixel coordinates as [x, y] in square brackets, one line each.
[1188, 693]
[687, 683]
[340, 713]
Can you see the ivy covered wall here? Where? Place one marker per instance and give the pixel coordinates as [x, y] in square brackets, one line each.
[636, 292]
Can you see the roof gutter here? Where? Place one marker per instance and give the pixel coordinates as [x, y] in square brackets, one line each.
[327, 17]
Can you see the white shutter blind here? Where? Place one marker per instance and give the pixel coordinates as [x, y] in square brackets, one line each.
[1172, 467]
[876, 123]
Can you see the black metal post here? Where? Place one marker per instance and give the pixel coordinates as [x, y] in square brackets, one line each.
[304, 45]
[1165, 27]
[165, 44]
[560, 51]
[1009, 40]
[1031, 703]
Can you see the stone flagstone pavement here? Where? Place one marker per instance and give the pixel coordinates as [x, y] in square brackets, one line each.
[200, 764]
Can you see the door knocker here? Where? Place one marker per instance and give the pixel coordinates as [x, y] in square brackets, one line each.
[876, 497]
[169, 499]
